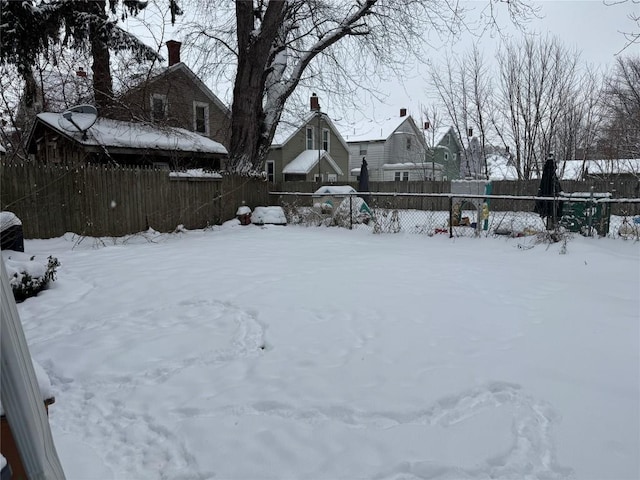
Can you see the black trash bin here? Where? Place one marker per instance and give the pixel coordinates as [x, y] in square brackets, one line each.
[11, 235]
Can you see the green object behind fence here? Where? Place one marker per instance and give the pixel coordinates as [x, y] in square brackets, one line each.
[579, 216]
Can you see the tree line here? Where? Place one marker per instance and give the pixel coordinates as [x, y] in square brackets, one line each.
[539, 99]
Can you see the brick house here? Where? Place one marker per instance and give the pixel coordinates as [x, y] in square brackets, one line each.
[176, 97]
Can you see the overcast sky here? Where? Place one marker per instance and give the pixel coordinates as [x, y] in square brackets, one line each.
[593, 27]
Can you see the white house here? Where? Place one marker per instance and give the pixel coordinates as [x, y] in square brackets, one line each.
[395, 150]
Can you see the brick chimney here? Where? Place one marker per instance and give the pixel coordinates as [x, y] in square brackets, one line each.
[173, 47]
[403, 112]
[315, 103]
[426, 125]
[80, 72]
[470, 132]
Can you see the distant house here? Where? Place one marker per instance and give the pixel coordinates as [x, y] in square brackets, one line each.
[110, 141]
[176, 97]
[446, 150]
[313, 150]
[606, 169]
[502, 168]
[395, 150]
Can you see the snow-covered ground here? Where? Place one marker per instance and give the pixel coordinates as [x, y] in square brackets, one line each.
[323, 353]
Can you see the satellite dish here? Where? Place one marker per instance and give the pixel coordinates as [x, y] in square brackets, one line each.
[78, 119]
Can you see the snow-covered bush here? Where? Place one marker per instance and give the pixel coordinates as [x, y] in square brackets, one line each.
[352, 211]
[386, 221]
[28, 275]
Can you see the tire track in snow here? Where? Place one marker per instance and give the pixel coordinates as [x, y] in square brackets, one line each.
[94, 410]
[532, 452]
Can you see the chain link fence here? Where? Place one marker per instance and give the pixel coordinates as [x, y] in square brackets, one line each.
[463, 215]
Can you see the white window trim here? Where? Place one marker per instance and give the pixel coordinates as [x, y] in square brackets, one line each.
[271, 162]
[317, 177]
[332, 177]
[164, 104]
[206, 117]
[363, 148]
[328, 133]
[313, 138]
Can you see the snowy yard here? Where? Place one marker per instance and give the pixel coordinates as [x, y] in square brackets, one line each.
[322, 353]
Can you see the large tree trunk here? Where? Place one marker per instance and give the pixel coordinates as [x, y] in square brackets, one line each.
[102, 81]
[249, 143]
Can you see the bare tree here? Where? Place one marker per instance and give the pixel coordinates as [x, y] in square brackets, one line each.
[537, 76]
[465, 90]
[580, 123]
[621, 100]
[631, 37]
[277, 45]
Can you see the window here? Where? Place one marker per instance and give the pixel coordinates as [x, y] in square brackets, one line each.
[309, 138]
[405, 176]
[158, 107]
[271, 171]
[401, 176]
[397, 177]
[408, 143]
[363, 149]
[325, 139]
[332, 177]
[446, 156]
[317, 177]
[201, 117]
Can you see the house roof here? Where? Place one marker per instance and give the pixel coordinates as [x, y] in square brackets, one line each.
[433, 136]
[2, 149]
[374, 131]
[287, 130]
[182, 67]
[574, 169]
[411, 166]
[335, 190]
[106, 132]
[500, 168]
[308, 159]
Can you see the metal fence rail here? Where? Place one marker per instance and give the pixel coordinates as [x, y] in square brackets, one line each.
[458, 215]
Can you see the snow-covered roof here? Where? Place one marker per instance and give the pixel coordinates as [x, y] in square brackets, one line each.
[308, 159]
[373, 131]
[433, 136]
[500, 168]
[335, 190]
[287, 130]
[575, 169]
[412, 166]
[106, 132]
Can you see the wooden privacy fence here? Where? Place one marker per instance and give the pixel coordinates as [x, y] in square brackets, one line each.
[114, 201]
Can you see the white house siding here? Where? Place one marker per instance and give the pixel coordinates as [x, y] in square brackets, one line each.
[374, 156]
[396, 147]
